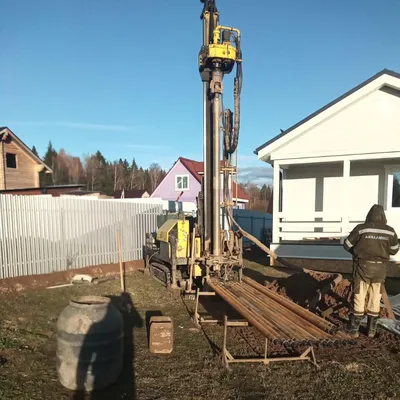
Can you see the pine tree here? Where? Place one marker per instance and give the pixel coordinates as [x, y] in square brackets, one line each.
[34, 151]
[263, 192]
[134, 165]
[133, 181]
[50, 159]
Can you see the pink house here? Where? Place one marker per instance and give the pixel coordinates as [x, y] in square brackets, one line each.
[183, 183]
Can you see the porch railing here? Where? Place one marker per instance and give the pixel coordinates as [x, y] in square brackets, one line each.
[312, 226]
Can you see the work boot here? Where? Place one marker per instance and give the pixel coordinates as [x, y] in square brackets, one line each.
[355, 322]
[372, 325]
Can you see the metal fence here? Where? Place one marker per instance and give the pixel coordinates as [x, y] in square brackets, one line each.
[43, 234]
[257, 223]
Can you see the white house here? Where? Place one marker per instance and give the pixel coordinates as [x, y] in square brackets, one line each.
[336, 164]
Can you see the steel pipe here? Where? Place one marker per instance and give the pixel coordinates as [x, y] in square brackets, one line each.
[216, 140]
[270, 317]
[292, 318]
[281, 334]
[247, 314]
[278, 315]
[307, 315]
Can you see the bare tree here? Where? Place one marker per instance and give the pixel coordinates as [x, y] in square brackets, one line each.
[69, 169]
[93, 172]
[119, 176]
[133, 179]
[155, 174]
[259, 198]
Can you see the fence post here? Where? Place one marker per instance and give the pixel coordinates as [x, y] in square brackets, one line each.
[120, 261]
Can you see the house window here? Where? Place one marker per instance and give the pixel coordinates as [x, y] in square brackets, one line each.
[11, 160]
[393, 187]
[182, 182]
[396, 189]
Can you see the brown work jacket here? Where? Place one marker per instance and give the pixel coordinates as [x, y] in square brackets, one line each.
[371, 244]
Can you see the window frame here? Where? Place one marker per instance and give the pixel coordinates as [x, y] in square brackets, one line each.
[16, 162]
[176, 182]
[390, 170]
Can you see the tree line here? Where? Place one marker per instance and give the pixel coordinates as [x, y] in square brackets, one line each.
[259, 196]
[97, 173]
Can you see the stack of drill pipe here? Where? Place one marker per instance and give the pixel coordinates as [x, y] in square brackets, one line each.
[307, 315]
[277, 318]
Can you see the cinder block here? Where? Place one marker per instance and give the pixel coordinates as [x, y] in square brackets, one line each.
[161, 335]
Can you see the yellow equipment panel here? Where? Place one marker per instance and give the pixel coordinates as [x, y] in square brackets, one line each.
[183, 242]
[183, 245]
[223, 51]
[165, 229]
[197, 270]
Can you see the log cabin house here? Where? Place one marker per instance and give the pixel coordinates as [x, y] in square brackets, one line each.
[19, 166]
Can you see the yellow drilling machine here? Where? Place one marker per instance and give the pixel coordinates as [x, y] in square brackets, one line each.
[187, 250]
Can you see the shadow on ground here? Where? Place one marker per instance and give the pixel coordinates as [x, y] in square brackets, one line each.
[124, 386]
[259, 267]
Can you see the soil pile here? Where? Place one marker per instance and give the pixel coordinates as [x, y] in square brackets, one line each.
[307, 289]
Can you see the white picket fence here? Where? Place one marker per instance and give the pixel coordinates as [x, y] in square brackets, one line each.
[43, 234]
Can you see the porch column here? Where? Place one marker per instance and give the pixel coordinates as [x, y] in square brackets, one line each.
[275, 209]
[345, 198]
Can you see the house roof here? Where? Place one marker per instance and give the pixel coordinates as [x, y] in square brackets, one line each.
[4, 129]
[196, 168]
[44, 189]
[332, 103]
[130, 193]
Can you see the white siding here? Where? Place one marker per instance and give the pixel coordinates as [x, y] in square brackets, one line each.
[309, 188]
[319, 187]
[367, 183]
[370, 125]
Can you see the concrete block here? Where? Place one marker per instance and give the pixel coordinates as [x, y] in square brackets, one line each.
[161, 337]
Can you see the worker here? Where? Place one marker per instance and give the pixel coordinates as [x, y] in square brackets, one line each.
[371, 245]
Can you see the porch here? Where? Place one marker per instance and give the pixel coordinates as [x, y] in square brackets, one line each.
[320, 200]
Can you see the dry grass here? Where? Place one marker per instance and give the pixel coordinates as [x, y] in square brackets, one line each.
[193, 370]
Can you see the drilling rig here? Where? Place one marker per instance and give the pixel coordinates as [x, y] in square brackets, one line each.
[186, 251]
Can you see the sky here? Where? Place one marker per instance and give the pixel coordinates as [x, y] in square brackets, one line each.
[121, 76]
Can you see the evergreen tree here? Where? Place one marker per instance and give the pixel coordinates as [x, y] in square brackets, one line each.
[263, 192]
[34, 151]
[133, 181]
[147, 181]
[50, 159]
[100, 158]
[126, 172]
[134, 165]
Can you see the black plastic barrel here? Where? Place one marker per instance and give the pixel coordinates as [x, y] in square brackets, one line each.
[89, 344]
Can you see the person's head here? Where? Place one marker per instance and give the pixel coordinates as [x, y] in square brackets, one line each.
[376, 214]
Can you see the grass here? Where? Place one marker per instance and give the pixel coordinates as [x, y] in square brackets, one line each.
[193, 370]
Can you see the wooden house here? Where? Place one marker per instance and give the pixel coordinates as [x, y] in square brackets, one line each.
[19, 166]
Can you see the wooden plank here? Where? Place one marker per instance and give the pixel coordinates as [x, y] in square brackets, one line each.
[237, 323]
[387, 303]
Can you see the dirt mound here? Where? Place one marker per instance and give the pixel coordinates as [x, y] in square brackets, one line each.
[312, 290]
